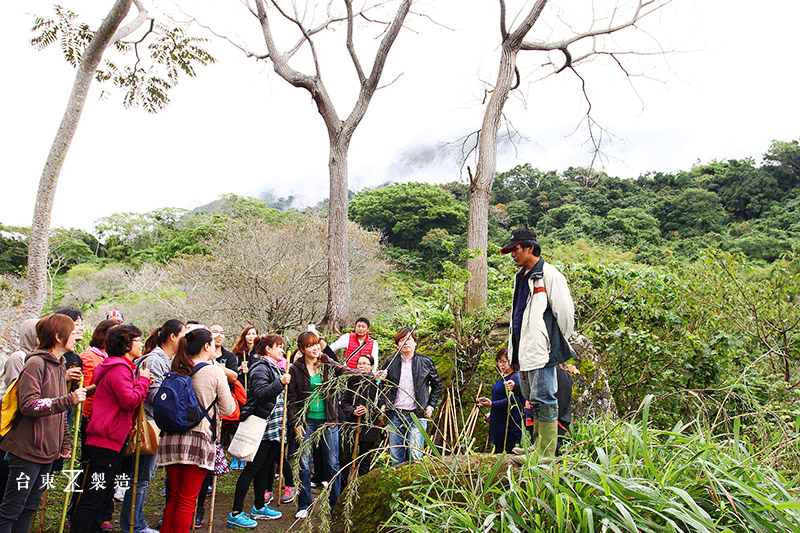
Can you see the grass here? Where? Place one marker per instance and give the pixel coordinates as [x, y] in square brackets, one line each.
[624, 477]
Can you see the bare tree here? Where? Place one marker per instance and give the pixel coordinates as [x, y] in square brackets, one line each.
[512, 42]
[269, 275]
[340, 130]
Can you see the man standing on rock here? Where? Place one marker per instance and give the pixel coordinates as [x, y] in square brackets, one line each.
[542, 318]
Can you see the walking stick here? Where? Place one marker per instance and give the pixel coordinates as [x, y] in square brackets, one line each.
[283, 440]
[75, 427]
[41, 511]
[213, 497]
[139, 426]
[355, 448]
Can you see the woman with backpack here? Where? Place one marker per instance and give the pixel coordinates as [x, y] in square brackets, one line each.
[40, 433]
[189, 455]
[119, 394]
[159, 348]
[267, 382]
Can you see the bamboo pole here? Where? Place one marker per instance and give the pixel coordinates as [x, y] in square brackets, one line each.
[213, 498]
[283, 443]
[75, 427]
[137, 454]
[41, 510]
[355, 449]
[443, 422]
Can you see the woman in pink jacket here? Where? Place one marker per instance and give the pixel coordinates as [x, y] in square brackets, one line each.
[119, 394]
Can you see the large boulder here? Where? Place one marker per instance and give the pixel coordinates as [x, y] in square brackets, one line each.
[378, 493]
[591, 395]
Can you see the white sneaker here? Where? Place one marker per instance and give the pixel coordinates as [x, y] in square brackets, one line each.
[324, 484]
[119, 494]
[301, 514]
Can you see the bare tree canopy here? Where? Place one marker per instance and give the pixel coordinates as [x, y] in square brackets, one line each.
[291, 31]
[592, 34]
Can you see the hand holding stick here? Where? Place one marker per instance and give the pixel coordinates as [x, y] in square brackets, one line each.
[355, 449]
[75, 427]
[283, 440]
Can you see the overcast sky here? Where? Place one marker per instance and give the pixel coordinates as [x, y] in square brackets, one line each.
[727, 91]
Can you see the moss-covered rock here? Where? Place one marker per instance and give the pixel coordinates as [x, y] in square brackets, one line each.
[380, 492]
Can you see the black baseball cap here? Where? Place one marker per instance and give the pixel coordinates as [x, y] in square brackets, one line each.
[517, 236]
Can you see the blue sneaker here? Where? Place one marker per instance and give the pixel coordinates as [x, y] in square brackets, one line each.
[234, 464]
[241, 520]
[266, 513]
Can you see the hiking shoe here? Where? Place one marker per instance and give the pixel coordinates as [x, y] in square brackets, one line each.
[198, 520]
[301, 514]
[241, 520]
[267, 497]
[119, 494]
[288, 495]
[266, 513]
[107, 526]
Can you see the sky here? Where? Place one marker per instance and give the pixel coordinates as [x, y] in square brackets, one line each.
[725, 88]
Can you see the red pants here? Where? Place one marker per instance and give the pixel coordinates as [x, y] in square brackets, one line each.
[184, 486]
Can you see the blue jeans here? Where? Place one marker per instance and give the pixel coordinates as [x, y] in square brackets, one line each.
[147, 470]
[329, 442]
[405, 439]
[539, 387]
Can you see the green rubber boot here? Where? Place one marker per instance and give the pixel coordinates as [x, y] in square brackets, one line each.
[520, 450]
[546, 443]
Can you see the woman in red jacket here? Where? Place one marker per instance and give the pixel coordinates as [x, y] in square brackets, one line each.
[119, 394]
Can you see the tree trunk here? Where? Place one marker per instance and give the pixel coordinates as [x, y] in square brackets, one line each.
[481, 186]
[338, 267]
[36, 292]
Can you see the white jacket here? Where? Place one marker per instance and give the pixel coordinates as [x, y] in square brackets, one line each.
[534, 342]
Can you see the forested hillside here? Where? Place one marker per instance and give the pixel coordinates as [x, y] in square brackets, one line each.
[686, 286]
[681, 280]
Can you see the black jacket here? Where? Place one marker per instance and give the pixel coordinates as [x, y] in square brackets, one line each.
[228, 358]
[361, 391]
[264, 386]
[427, 385]
[300, 389]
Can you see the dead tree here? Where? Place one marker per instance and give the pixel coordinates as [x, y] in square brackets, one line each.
[340, 130]
[508, 78]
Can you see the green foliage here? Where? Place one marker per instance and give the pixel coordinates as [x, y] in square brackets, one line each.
[625, 477]
[171, 52]
[407, 212]
[13, 251]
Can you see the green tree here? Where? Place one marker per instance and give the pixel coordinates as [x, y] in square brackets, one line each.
[170, 54]
[694, 211]
[631, 226]
[406, 212]
[13, 251]
[782, 160]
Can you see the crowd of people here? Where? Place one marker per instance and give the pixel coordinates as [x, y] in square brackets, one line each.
[328, 412]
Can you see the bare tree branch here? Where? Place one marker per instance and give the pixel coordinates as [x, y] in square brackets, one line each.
[350, 48]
